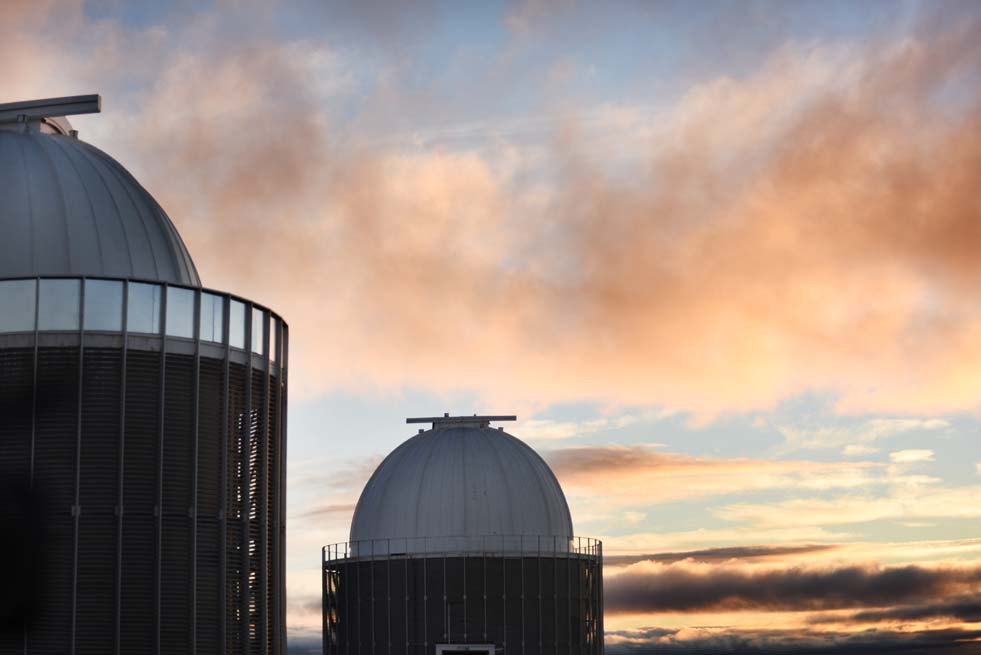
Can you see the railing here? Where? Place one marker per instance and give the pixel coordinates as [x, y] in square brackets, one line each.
[488, 545]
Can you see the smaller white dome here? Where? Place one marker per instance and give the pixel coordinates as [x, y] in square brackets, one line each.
[462, 487]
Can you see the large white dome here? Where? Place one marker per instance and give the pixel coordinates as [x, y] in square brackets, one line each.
[461, 486]
[67, 208]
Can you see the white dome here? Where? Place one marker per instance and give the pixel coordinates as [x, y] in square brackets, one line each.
[462, 487]
[67, 208]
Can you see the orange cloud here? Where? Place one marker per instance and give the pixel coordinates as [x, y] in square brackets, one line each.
[812, 227]
[639, 474]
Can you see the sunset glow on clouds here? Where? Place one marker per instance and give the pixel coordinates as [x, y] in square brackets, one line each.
[723, 261]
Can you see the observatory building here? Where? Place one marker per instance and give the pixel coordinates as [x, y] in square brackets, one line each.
[142, 418]
[462, 542]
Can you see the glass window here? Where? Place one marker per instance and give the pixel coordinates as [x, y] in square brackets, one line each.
[273, 340]
[17, 306]
[236, 325]
[258, 328]
[212, 317]
[180, 312]
[103, 305]
[58, 305]
[143, 308]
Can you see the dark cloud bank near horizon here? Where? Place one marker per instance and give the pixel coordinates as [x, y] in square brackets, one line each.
[658, 641]
[675, 588]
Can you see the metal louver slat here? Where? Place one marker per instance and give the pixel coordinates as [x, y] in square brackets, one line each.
[98, 488]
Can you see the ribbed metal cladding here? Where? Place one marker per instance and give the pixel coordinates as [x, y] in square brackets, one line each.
[541, 598]
[145, 490]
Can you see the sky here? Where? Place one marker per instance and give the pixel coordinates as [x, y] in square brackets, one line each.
[720, 258]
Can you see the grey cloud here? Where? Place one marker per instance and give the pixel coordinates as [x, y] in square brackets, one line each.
[659, 641]
[678, 588]
[962, 608]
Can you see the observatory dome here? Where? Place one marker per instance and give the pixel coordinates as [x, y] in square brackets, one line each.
[67, 208]
[465, 481]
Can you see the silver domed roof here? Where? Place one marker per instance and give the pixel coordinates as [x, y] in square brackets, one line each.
[67, 208]
[460, 480]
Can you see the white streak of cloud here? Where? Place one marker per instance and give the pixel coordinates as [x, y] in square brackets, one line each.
[856, 439]
[858, 450]
[911, 456]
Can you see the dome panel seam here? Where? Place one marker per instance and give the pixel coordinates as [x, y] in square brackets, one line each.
[119, 215]
[113, 165]
[88, 200]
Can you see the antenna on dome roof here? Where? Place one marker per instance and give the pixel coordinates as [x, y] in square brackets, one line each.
[50, 111]
[447, 421]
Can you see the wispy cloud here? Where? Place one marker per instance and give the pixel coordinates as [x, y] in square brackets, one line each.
[858, 450]
[637, 542]
[721, 554]
[911, 456]
[345, 509]
[856, 439]
[647, 473]
[551, 430]
[905, 503]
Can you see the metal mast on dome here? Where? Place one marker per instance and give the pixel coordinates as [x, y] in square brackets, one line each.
[447, 421]
[50, 111]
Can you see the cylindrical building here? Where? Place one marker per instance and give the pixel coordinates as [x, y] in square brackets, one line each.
[142, 418]
[462, 542]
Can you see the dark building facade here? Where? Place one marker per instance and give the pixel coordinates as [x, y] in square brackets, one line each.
[506, 597]
[462, 542]
[142, 418]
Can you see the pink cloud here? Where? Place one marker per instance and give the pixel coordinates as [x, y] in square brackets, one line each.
[810, 227]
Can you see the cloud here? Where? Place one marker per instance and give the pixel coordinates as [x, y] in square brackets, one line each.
[829, 548]
[911, 456]
[304, 641]
[525, 15]
[345, 509]
[720, 554]
[634, 543]
[308, 604]
[686, 587]
[633, 518]
[855, 439]
[775, 233]
[910, 501]
[810, 225]
[686, 641]
[962, 608]
[858, 450]
[643, 472]
[550, 430]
